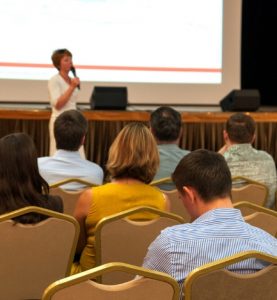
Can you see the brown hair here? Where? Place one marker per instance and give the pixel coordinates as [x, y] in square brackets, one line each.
[240, 128]
[207, 172]
[70, 128]
[58, 55]
[134, 154]
[20, 181]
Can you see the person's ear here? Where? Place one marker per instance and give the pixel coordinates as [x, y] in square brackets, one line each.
[253, 138]
[190, 194]
[83, 140]
[225, 136]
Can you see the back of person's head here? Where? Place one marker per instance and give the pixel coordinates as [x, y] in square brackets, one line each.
[240, 128]
[57, 56]
[205, 171]
[70, 128]
[20, 182]
[133, 154]
[166, 124]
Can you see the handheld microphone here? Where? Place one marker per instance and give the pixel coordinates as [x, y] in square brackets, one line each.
[74, 74]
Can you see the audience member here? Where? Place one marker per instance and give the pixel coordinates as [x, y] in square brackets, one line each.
[203, 180]
[132, 163]
[70, 129]
[243, 159]
[165, 125]
[20, 182]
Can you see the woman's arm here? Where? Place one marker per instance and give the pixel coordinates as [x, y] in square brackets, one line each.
[80, 213]
[64, 98]
[59, 100]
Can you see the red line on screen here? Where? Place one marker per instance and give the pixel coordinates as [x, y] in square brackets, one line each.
[115, 68]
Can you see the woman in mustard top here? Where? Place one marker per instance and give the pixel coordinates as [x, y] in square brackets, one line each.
[132, 163]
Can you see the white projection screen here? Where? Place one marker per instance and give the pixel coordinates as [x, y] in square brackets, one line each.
[183, 52]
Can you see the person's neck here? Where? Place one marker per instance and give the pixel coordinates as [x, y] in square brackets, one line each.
[215, 204]
[126, 180]
[176, 142]
[64, 75]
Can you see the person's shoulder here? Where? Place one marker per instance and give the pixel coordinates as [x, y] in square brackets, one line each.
[263, 154]
[184, 151]
[92, 166]
[261, 235]
[177, 232]
[55, 77]
[44, 159]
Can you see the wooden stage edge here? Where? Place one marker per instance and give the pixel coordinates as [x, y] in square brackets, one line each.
[187, 117]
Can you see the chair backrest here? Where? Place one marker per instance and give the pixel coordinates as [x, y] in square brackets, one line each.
[212, 281]
[176, 205]
[165, 183]
[249, 190]
[259, 216]
[148, 285]
[69, 197]
[34, 255]
[117, 238]
[160, 181]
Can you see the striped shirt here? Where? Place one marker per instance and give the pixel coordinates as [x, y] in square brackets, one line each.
[214, 235]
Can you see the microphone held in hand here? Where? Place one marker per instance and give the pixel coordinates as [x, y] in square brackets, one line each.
[74, 74]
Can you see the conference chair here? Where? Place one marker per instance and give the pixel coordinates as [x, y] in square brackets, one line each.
[165, 183]
[213, 281]
[34, 255]
[147, 285]
[259, 216]
[160, 181]
[249, 190]
[69, 197]
[124, 237]
[176, 205]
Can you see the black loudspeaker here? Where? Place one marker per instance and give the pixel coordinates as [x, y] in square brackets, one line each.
[241, 100]
[113, 98]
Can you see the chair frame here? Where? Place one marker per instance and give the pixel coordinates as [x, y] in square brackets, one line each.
[56, 189]
[68, 180]
[220, 264]
[50, 213]
[186, 216]
[107, 268]
[246, 181]
[161, 180]
[124, 214]
[255, 207]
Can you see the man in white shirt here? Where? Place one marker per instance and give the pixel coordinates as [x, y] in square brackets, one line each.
[70, 129]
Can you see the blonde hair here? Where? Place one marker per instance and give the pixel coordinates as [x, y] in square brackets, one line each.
[134, 154]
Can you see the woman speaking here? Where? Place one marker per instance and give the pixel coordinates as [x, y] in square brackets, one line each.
[63, 90]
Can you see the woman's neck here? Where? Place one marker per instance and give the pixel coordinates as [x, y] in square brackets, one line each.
[65, 76]
[126, 180]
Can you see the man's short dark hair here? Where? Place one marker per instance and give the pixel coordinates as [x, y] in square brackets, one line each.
[205, 171]
[240, 128]
[70, 128]
[166, 124]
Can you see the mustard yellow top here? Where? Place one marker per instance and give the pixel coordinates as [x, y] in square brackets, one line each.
[113, 198]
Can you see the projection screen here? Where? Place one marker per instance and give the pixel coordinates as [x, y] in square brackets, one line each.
[165, 52]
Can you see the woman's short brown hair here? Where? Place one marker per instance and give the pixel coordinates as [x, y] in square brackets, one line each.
[134, 154]
[58, 55]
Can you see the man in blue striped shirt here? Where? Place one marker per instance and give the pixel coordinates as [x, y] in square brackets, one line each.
[203, 180]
